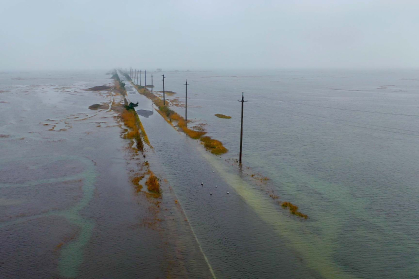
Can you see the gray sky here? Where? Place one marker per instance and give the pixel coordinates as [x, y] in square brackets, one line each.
[204, 34]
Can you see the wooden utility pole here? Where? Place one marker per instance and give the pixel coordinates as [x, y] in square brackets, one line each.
[152, 83]
[140, 77]
[186, 107]
[241, 130]
[164, 96]
[145, 78]
[137, 77]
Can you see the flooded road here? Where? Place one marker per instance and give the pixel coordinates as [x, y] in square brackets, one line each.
[237, 242]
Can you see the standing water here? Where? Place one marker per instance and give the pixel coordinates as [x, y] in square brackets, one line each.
[341, 145]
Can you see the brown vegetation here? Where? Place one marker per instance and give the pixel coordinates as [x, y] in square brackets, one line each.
[191, 133]
[120, 88]
[219, 115]
[214, 146]
[136, 181]
[293, 209]
[129, 118]
[152, 183]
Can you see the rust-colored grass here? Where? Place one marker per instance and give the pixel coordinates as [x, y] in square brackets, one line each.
[191, 133]
[293, 209]
[136, 181]
[213, 145]
[130, 120]
[144, 134]
[219, 115]
[152, 183]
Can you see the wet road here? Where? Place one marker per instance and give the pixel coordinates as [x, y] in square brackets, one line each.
[236, 241]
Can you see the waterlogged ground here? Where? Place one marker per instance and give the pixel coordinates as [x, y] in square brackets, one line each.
[237, 226]
[67, 206]
[340, 145]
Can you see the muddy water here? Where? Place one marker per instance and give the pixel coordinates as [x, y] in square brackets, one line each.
[67, 206]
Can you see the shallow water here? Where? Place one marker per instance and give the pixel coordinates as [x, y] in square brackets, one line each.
[342, 145]
[68, 209]
[339, 144]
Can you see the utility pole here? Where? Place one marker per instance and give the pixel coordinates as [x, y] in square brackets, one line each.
[137, 77]
[140, 77]
[145, 78]
[164, 96]
[152, 83]
[241, 130]
[186, 107]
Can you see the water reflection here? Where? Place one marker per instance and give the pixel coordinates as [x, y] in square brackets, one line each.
[145, 113]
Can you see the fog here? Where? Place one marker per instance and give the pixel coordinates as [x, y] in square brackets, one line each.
[207, 34]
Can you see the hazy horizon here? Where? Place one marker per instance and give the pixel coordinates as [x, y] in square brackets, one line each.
[182, 35]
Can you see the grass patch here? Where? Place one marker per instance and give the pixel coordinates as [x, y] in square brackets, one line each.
[191, 133]
[219, 115]
[119, 85]
[136, 181]
[152, 183]
[129, 118]
[144, 134]
[293, 209]
[214, 146]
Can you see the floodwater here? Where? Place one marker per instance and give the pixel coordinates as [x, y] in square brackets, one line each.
[342, 145]
[67, 206]
[339, 144]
